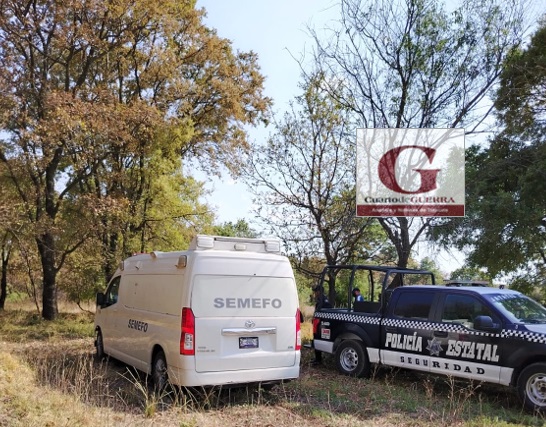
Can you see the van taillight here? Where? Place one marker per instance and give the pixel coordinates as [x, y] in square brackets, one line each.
[298, 329]
[187, 335]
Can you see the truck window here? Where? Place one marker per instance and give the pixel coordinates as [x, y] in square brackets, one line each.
[414, 305]
[113, 291]
[463, 309]
[369, 284]
[394, 280]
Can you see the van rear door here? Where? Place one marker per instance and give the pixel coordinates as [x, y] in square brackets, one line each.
[244, 322]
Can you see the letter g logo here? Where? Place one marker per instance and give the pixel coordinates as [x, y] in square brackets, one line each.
[387, 170]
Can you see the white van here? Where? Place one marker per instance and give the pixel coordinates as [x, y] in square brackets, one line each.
[223, 312]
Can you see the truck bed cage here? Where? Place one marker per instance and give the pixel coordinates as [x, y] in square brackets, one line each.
[390, 277]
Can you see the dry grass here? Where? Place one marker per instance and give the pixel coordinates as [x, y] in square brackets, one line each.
[49, 377]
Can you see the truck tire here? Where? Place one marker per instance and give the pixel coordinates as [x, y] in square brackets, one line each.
[351, 359]
[159, 372]
[99, 346]
[532, 387]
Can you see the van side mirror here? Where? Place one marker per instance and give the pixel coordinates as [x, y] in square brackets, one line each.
[485, 323]
[101, 299]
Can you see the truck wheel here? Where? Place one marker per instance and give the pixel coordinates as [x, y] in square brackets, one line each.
[99, 346]
[351, 359]
[159, 372]
[532, 387]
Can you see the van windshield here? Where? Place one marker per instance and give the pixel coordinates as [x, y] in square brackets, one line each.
[219, 295]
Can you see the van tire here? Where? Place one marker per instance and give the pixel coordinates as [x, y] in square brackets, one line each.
[99, 346]
[532, 387]
[159, 372]
[352, 360]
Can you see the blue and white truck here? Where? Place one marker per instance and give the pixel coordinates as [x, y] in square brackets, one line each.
[474, 332]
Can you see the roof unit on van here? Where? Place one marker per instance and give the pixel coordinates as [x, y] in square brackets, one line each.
[235, 244]
[182, 259]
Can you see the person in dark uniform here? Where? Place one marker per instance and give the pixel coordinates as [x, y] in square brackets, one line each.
[357, 296]
[321, 301]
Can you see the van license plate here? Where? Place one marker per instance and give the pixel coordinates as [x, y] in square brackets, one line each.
[248, 342]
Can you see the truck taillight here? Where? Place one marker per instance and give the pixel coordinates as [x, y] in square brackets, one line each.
[316, 322]
[187, 334]
[298, 329]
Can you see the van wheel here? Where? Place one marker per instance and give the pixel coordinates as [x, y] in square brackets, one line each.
[99, 346]
[532, 387]
[159, 372]
[351, 359]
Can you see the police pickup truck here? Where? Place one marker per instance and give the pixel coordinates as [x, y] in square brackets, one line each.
[475, 332]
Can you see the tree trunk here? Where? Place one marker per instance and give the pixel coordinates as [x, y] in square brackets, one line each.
[4, 280]
[399, 235]
[110, 247]
[46, 247]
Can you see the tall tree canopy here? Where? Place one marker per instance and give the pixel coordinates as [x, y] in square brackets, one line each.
[505, 229]
[96, 93]
[240, 228]
[303, 180]
[414, 64]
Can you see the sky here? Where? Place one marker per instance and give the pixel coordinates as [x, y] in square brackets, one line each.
[277, 31]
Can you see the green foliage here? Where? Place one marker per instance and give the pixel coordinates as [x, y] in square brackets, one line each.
[470, 273]
[241, 228]
[428, 265]
[527, 285]
[519, 102]
[101, 102]
[505, 227]
[304, 285]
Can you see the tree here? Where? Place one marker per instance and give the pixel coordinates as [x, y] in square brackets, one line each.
[5, 252]
[429, 265]
[5, 247]
[90, 87]
[150, 205]
[411, 64]
[303, 180]
[241, 228]
[11, 224]
[470, 273]
[505, 228]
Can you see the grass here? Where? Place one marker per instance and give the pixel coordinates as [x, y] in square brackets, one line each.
[23, 326]
[49, 377]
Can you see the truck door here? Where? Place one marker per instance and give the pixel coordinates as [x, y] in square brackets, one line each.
[109, 318]
[406, 330]
[464, 351]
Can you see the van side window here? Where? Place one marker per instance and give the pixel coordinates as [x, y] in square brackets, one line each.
[463, 309]
[113, 291]
[414, 305]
